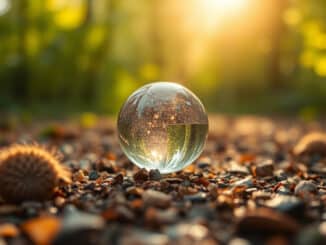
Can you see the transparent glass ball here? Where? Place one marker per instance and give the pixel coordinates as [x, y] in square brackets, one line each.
[162, 126]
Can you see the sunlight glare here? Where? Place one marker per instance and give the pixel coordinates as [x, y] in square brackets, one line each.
[224, 6]
[4, 6]
[212, 13]
[156, 156]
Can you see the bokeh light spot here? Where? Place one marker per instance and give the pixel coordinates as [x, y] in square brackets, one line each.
[320, 67]
[4, 6]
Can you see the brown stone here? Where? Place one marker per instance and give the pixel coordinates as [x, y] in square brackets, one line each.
[264, 169]
[310, 144]
[266, 220]
[141, 175]
[305, 188]
[156, 198]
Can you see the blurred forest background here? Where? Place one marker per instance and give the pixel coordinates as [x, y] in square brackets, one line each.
[238, 56]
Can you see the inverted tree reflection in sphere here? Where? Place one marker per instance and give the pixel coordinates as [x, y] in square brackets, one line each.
[162, 126]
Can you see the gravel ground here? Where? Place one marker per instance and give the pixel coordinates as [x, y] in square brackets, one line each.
[256, 182]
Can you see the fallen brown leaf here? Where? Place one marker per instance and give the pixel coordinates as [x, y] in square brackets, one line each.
[8, 230]
[42, 230]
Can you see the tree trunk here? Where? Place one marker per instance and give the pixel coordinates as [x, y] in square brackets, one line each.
[155, 37]
[20, 74]
[274, 66]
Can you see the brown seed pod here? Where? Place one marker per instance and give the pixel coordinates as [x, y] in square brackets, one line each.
[29, 172]
[310, 144]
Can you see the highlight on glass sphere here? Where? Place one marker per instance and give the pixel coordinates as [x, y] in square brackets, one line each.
[162, 126]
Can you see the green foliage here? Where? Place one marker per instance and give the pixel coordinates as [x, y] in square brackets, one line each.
[91, 54]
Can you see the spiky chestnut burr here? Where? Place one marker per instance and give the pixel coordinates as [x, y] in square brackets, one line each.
[29, 172]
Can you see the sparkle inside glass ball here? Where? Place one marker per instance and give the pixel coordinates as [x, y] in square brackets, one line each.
[162, 126]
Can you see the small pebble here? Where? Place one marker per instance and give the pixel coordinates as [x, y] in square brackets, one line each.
[141, 175]
[196, 232]
[305, 188]
[106, 165]
[312, 234]
[59, 201]
[239, 241]
[75, 220]
[93, 175]
[118, 179]
[79, 176]
[266, 220]
[157, 199]
[247, 182]
[79, 227]
[154, 174]
[287, 204]
[134, 191]
[159, 217]
[125, 213]
[196, 198]
[141, 237]
[212, 189]
[311, 144]
[264, 169]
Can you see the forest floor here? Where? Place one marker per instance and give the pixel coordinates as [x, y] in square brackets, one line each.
[250, 186]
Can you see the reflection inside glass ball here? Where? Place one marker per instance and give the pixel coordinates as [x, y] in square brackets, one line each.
[162, 126]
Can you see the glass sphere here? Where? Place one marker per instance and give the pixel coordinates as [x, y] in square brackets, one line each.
[162, 126]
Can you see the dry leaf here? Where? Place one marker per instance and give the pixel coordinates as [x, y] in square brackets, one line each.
[247, 158]
[42, 230]
[8, 230]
